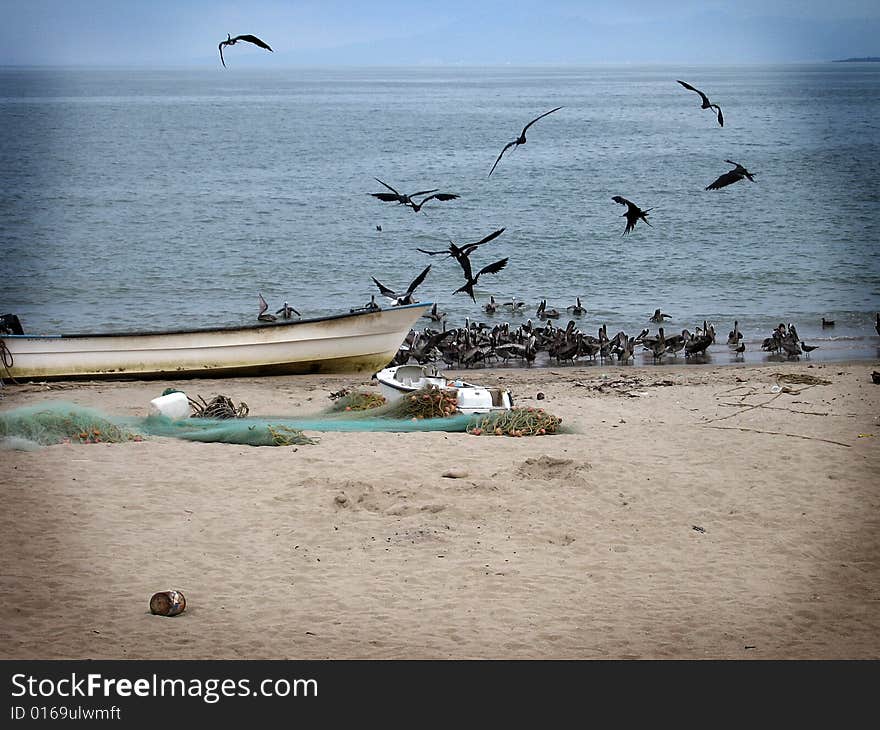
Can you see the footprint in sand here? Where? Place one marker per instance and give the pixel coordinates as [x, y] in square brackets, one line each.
[391, 502]
[550, 467]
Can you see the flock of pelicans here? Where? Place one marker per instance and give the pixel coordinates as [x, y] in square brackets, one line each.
[479, 343]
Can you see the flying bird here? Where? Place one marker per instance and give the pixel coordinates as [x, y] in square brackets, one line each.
[471, 280]
[522, 137]
[731, 176]
[399, 197]
[706, 103]
[407, 296]
[466, 250]
[439, 196]
[230, 41]
[263, 316]
[633, 213]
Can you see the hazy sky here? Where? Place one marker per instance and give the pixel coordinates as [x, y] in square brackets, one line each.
[186, 33]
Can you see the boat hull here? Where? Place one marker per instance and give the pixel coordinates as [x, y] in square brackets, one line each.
[357, 342]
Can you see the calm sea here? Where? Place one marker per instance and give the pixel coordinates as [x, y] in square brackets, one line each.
[137, 199]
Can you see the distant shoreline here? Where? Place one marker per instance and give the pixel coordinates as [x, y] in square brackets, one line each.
[865, 59]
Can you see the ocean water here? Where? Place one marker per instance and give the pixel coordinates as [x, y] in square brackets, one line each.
[143, 200]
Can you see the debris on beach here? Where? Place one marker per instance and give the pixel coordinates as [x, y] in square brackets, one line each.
[167, 603]
[286, 436]
[220, 406]
[626, 386]
[356, 400]
[427, 402]
[800, 379]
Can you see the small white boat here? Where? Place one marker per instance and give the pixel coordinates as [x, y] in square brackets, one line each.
[395, 382]
[360, 341]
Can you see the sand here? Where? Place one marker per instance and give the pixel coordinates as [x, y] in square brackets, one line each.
[672, 521]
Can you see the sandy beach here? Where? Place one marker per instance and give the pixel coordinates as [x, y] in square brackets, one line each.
[686, 513]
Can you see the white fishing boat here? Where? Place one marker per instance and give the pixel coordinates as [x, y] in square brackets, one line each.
[396, 382]
[360, 341]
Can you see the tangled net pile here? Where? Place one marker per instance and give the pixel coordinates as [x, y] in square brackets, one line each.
[427, 402]
[356, 400]
[516, 422]
[66, 424]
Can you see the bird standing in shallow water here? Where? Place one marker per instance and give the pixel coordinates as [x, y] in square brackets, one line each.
[659, 316]
[230, 41]
[633, 213]
[706, 103]
[522, 137]
[286, 311]
[808, 348]
[263, 316]
[730, 177]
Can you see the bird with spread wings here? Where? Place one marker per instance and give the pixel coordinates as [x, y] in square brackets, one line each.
[230, 41]
[633, 213]
[731, 176]
[522, 137]
[407, 296]
[706, 104]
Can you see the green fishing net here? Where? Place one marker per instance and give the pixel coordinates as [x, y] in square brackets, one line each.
[62, 422]
[424, 410]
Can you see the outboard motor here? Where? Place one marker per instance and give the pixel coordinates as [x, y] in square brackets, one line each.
[10, 325]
